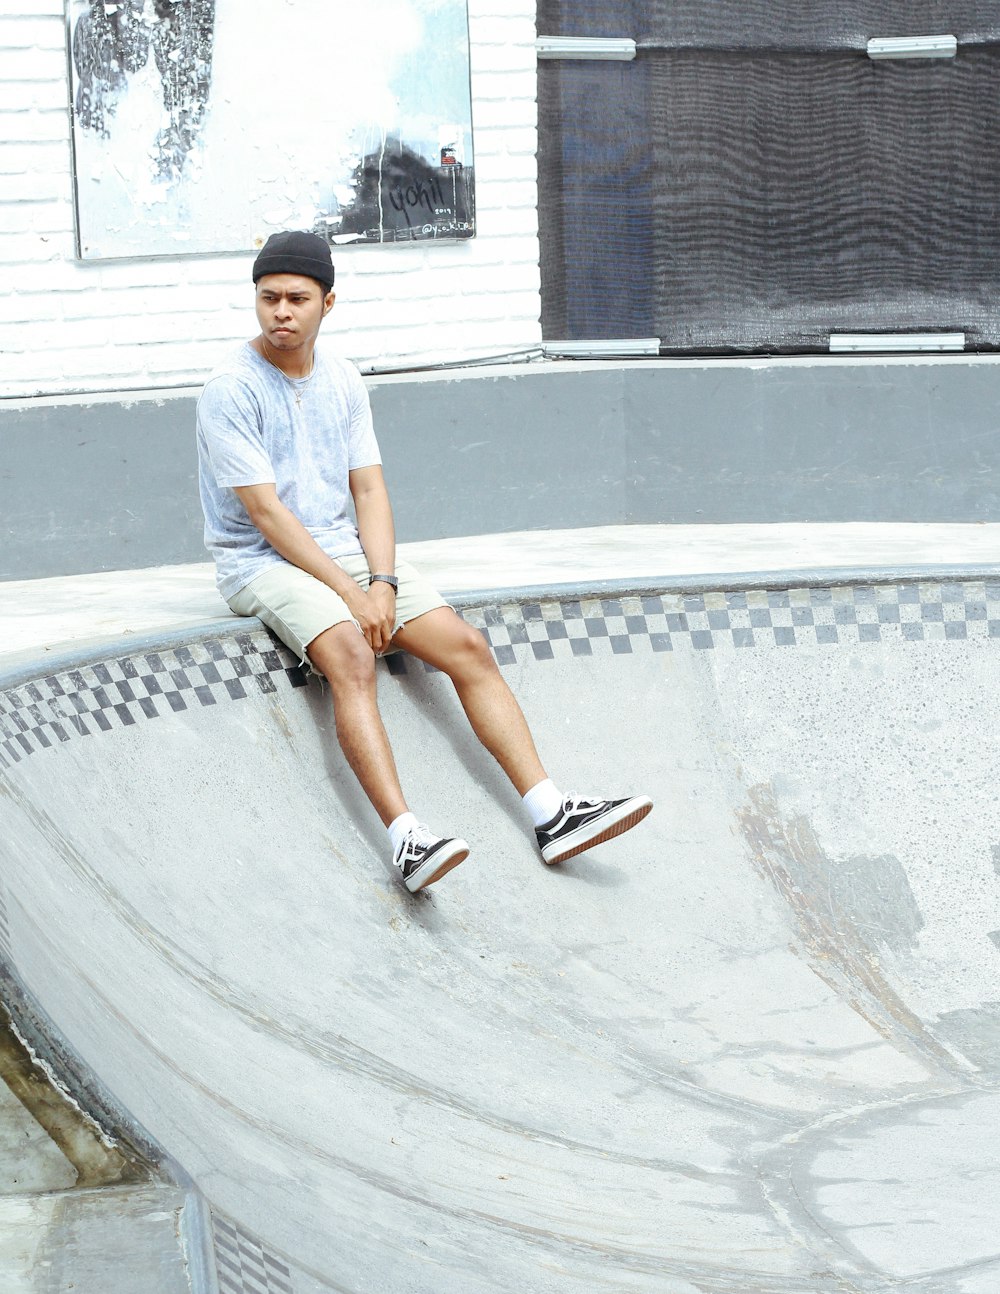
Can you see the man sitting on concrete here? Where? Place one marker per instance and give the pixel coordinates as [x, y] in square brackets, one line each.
[284, 439]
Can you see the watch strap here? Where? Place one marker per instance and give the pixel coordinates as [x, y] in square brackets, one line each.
[385, 579]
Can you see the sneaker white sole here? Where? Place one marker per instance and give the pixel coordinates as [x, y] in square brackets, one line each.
[615, 823]
[456, 851]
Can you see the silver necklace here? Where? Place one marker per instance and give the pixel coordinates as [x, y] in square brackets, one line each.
[290, 380]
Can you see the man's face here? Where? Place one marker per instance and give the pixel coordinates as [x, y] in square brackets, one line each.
[290, 309]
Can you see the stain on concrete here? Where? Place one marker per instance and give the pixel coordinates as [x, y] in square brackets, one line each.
[875, 897]
[847, 912]
[975, 1032]
[97, 1159]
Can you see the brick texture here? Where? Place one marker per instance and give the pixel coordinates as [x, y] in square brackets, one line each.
[134, 325]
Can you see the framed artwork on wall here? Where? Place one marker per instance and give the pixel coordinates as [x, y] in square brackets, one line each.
[202, 126]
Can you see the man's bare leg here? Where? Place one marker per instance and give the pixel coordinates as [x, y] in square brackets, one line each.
[564, 825]
[344, 657]
[444, 640]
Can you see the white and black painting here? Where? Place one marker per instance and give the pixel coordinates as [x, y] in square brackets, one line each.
[203, 126]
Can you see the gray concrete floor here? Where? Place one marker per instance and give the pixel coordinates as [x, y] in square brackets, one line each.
[874, 1139]
[77, 1216]
[30, 1161]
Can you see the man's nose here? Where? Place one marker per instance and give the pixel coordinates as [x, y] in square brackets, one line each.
[283, 310]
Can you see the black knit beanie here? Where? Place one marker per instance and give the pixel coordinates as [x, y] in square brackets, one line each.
[295, 252]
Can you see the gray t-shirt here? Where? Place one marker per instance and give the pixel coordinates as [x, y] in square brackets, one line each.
[253, 430]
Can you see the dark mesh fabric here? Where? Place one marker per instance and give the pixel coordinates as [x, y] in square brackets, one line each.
[598, 208]
[770, 24]
[758, 199]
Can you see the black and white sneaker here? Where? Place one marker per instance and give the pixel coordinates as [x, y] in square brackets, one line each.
[582, 823]
[424, 858]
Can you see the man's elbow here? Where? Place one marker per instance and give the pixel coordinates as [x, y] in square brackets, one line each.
[373, 496]
[260, 506]
[258, 512]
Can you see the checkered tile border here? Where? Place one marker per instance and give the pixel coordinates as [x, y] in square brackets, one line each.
[120, 692]
[759, 619]
[244, 1265]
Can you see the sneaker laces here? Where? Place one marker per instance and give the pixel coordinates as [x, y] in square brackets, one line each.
[573, 802]
[420, 834]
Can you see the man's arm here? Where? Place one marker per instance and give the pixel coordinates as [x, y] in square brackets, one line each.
[374, 514]
[289, 537]
[378, 537]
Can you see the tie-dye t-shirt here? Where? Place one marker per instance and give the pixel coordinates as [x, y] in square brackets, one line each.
[256, 426]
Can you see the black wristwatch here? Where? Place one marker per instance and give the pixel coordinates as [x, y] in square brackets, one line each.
[386, 579]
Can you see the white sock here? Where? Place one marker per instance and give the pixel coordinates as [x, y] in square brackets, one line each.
[398, 828]
[543, 802]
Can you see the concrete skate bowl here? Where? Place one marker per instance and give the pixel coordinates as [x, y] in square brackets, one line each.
[751, 1046]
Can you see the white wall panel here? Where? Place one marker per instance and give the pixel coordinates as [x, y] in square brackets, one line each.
[73, 327]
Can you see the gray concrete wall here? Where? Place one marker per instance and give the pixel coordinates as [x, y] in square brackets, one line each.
[88, 485]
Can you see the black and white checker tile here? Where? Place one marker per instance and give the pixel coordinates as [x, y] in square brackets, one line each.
[243, 1264]
[119, 693]
[123, 691]
[755, 618]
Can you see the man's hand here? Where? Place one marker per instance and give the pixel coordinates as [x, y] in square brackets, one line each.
[375, 612]
[375, 608]
[374, 515]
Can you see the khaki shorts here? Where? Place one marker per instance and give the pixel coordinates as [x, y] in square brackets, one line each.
[299, 607]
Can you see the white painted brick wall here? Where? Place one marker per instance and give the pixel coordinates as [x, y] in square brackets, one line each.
[67, 326]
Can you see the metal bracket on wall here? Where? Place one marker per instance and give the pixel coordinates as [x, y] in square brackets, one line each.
[618, 49]
[845, 343]
[912, 47]
[616, 348]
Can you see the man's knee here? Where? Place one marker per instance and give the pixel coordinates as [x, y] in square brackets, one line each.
[343, 655]
[469, 651]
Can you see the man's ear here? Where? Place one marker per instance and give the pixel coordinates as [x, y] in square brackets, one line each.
[328, 301]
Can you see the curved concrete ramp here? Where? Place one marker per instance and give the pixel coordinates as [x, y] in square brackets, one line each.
[751, 1046]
